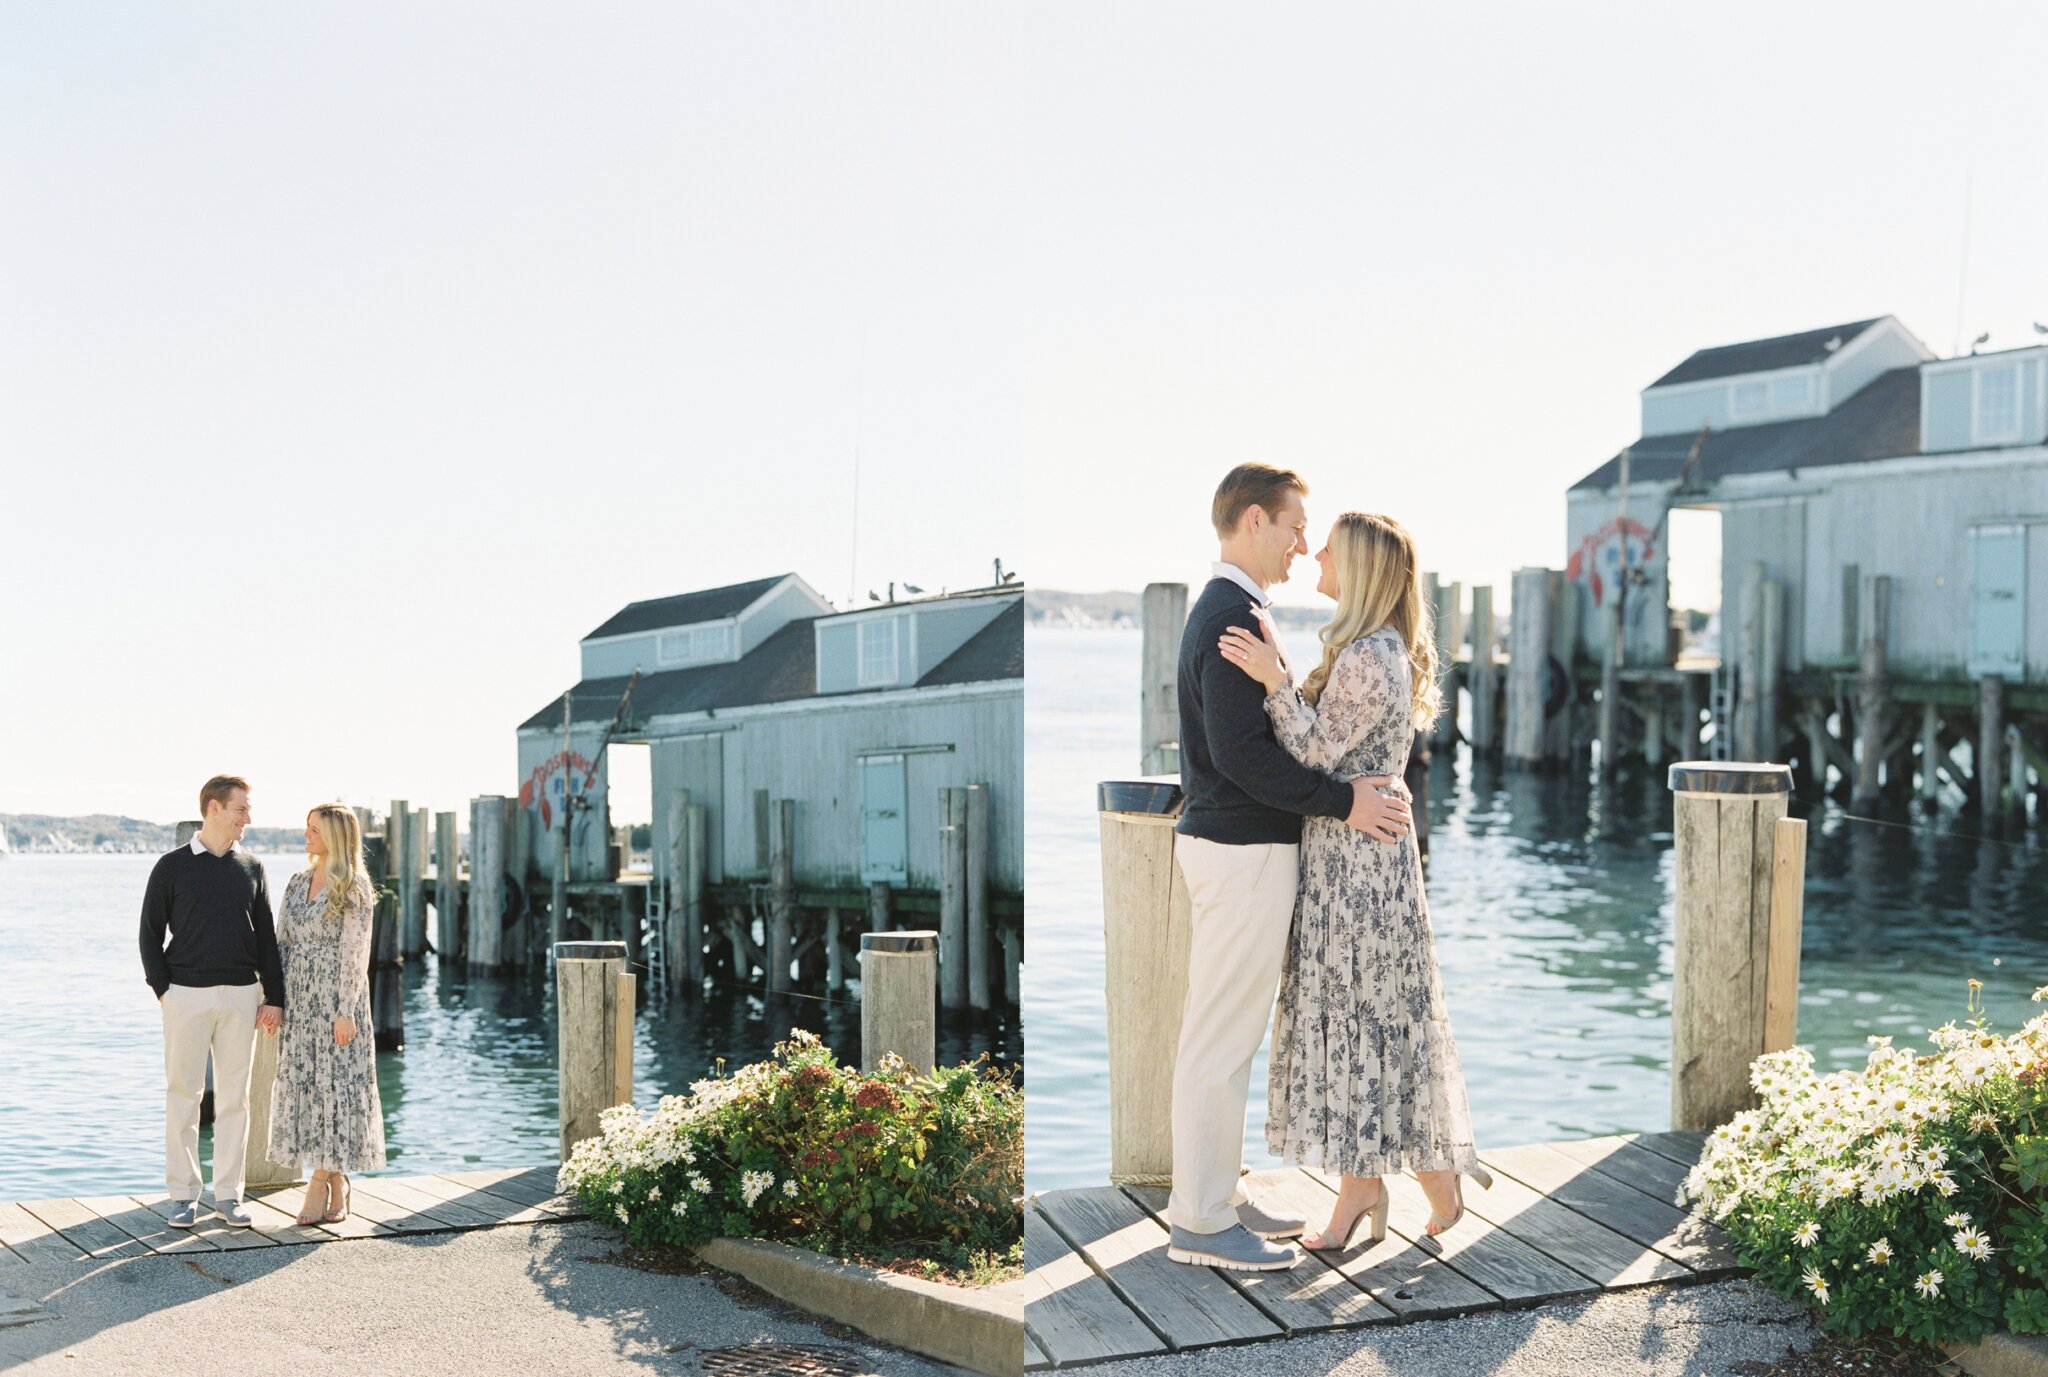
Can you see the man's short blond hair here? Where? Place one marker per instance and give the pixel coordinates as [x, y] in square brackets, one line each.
[219, 790]
[1251, 485]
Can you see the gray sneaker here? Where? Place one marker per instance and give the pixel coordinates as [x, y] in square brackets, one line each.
[1266, 1224]
[183, 1215]
[233, 1213]
[1236, 1248]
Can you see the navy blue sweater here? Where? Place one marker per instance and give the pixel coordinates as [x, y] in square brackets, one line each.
[1241, 785]
[216, 910]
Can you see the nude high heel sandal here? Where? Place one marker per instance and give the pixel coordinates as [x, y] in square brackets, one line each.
[1374, 1214]
[337, 1216]
[1437, 1224]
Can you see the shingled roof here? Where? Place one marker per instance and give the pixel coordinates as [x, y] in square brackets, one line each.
[1762, 355]
[779, 670]
[1882, 421]
[685, 609]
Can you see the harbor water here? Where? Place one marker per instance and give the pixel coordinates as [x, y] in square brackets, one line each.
[1551, 903]
[81, 1054]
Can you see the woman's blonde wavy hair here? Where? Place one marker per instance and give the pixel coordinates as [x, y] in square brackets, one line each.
[342, 834]
[1378, 584]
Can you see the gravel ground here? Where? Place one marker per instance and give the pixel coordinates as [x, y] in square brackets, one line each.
[552, 1298]
[1725, 1329]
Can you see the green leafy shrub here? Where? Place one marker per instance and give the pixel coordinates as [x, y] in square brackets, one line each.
[1904, 1198]
[801, 1149]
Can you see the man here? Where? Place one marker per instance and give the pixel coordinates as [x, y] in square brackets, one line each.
[213, 901]
[1238, 848]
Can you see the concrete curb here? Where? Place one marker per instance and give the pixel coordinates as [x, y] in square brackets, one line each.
[2003, 1355]
[972, 1329]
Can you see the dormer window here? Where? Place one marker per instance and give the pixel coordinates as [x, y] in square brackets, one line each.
[1997, 404]
[1750, 400]
[695, 645]
[878, 658]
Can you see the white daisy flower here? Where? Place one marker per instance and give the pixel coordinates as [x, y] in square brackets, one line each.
[620, 1211]
[1958, 1220]
[789, 1188]
[1881, 1251]
[699, 1184]
[1972, 1243]
[1816, 1285]
[1807, 1234]
[1928, 1283]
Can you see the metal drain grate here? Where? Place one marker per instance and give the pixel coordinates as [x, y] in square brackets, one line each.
[781, 1360]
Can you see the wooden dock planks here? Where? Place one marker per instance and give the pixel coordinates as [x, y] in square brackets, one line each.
[1562, 1220]
[1308, 1296]
[1191, 1307]
[1069, 1309]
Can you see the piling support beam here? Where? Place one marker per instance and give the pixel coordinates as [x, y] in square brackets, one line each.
[594, 1037]
[1725, 817]
[1481, 677]
[1873, 693]
[447, 888]
[1990, 762]
[953, 898]
[899, 976]
[1163, 614]
[781, 893]
[487, 883]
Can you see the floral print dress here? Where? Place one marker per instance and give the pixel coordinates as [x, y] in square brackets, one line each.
[324, 1111]
[1363, 1076]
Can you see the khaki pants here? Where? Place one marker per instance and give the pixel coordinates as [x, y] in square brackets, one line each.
[198, 1019]
[1241, 901]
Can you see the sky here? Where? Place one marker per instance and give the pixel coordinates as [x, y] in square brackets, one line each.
[360, 357]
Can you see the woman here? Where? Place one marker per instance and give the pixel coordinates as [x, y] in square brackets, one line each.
[1364, 1075]
[324, 1113]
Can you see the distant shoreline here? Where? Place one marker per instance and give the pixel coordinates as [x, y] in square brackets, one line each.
[1113, 611]
[105, 834]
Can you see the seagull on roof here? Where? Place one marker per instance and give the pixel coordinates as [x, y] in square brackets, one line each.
[912, 589]
[2040, 329]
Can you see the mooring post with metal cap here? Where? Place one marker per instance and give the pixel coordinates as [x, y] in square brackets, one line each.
[594, 1032]
[1145, 946]
[899, 991]
[1726, 829]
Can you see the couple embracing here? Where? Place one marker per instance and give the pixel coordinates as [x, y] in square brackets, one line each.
[229, 969]
[1302, 871]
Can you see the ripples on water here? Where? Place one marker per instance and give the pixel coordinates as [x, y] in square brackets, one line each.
[81, 1054]
[1551, 905]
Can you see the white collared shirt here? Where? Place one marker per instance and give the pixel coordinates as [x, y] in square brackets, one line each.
[1223, 569]
[199, 846]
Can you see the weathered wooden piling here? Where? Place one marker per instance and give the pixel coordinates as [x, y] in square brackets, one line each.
[186, 832]
[1873, 692]
[687, 883]
[1725, 817]
[387, 968]
[1990, 746]
[979, 953]
[1559, 744]
[519, 825]
[1770, 666]
[412, 908]
[1788, 909]
[1930, 753]
[781, 892]
[447, 888]
[881, 903]
[1163, 613]
[594, 1035]
[899, 979]
[1693, 711]
[1450, 634]
[259, 1170]
[1749, 665]
[1608, 732]
[1145, 929]
[953, 898]
[2016, 775]
[1013, 966]
[487, 882]
[1481, 678]
[1528, 666]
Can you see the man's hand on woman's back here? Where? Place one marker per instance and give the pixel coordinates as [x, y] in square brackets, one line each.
[1380, 816]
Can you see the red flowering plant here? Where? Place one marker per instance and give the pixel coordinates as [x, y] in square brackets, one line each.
[802, 1149]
